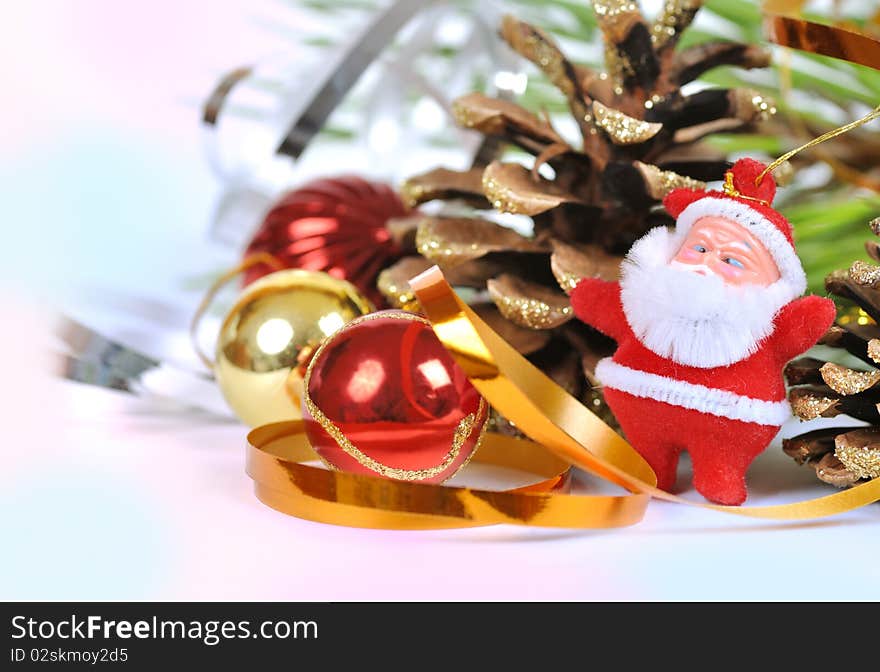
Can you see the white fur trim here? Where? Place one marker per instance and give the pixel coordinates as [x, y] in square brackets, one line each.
[700, 398]
[692, 319]
[762, 228]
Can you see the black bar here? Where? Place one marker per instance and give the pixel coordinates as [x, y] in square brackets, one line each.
[405, 636]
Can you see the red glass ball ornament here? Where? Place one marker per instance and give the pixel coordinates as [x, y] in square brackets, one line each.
[384, 397]
[335, 225]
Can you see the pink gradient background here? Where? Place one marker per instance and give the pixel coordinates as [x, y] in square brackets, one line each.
[107, 196]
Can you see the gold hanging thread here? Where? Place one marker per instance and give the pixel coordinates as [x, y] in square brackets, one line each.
[730, 190]
[846, 128]
[252, 260]
[824, 40]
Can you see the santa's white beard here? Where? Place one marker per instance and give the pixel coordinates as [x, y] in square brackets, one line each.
[694, 319]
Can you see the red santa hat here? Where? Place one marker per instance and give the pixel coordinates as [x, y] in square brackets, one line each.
[746, 201]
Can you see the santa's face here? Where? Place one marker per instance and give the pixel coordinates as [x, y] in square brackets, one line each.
[721, 247]
[706, 299]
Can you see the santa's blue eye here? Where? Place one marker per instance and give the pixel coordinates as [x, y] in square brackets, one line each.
[736, 263]
[700, 249]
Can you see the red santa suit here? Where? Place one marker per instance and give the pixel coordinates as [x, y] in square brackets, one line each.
[693, 372]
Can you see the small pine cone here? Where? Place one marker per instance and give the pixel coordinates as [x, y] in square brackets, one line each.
[846, 455]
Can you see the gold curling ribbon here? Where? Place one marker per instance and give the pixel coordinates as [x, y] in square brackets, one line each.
[277, 453]
[818, 38]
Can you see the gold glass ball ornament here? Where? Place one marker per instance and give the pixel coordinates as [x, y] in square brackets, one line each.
[268, 337]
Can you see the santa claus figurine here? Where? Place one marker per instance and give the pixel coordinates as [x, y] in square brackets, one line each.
[705, 318]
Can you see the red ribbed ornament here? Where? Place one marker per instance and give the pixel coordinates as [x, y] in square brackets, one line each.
[335, 225]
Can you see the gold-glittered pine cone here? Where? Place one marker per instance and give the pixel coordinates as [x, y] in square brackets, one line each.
[640, 137]
[844, 385]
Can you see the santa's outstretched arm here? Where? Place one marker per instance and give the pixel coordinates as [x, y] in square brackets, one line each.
[597, 303]
[800, 324]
